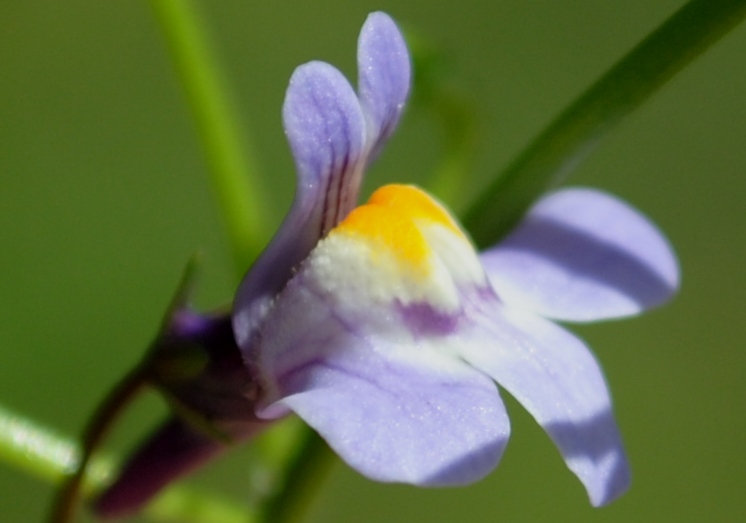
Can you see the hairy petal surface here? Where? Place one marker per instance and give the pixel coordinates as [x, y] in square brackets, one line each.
[557, 379]
[326, 130]
[384, 72]
[393, 407]
[583, 255]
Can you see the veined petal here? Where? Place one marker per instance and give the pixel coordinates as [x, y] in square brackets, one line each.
[583, 255]
[556, 378]
[326, 130]
[384, 76]
[395, 406]
[333, 135]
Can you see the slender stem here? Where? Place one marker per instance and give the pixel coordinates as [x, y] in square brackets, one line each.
[460, 131]
[34, 448]
[576, 132]
[181, 505]
[68, 496]
[234, 171]
[302, 476]
[452, 112]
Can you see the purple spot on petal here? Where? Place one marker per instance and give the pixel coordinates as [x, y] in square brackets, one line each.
[424, 320]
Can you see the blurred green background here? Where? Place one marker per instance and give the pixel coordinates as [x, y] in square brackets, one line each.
[103, 197]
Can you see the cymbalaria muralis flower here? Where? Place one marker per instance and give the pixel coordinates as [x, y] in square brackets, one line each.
[387, 332]
[390, 334]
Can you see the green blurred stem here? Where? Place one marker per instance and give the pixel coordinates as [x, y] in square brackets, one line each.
[69, 494]
[234, 171]
[29, 446]
[303, 475]
[453, 113]
[576, 132]
[458, 122]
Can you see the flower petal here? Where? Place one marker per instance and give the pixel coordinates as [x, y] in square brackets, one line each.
[394, 409]
[556, 378]
[384, 76]
[583, 255]
[326, 130]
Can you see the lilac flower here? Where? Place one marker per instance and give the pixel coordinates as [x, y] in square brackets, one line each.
[385, 331]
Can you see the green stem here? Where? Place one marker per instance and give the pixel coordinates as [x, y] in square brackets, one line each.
[35, 449]
[234, 171]
[460, 131]
[68, 496]
[570, 139]
[453, 113]
[303, 475]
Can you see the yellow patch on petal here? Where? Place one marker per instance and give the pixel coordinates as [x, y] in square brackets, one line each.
[414, 202]
[401, 246]
[392, 217]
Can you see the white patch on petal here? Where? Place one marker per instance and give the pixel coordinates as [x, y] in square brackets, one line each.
[359, 275]
[394, 280]
[456, 254]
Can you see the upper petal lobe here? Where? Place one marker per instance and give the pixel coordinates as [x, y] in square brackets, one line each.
[384, 74]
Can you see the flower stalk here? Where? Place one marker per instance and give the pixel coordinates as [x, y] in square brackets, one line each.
[41, 453]
[312, 460]
[232, 167]
[69, 494]
[570, 139]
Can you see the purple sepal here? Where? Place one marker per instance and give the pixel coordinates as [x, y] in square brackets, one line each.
[197, 366]
[175, 449]
[215, 383]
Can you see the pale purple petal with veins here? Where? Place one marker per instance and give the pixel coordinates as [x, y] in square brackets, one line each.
[333, 136]
[400, 423]
[326, 130]
[395, 411]
[583, 255]
[556, 378]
